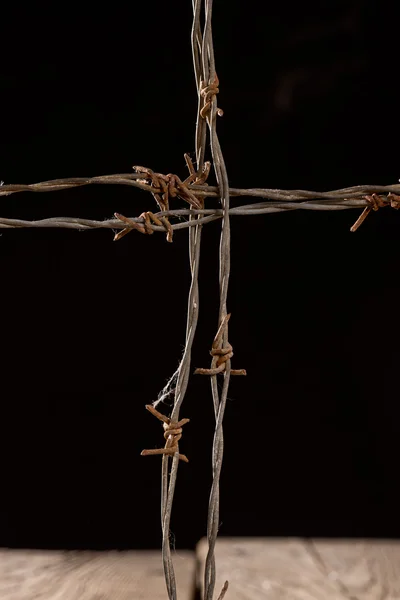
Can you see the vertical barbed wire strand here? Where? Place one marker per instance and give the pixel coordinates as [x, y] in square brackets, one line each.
[204, 68]
[168, 480]
[219, 399]
[197, 45]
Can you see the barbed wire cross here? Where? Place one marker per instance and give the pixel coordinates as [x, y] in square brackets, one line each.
[194, 190]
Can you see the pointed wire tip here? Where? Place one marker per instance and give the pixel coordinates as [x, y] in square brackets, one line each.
[224, 590]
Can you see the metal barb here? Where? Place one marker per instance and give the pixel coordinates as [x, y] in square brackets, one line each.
[172, 434]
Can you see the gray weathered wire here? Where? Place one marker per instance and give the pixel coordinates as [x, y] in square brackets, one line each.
[352, 200]
[204, 66]
[168, 481]
[219, 397]
[138, 180]
[278, 200]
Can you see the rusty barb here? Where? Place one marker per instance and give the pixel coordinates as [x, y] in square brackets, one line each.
[376, 201]
[220, 355]
[172, 433]
[224, 590]
[208, 93]
[164, 187]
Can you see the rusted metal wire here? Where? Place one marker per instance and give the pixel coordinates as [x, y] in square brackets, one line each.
[220, 355]
[207, 87]
[371, 197]
[206, 82]
[172, 433]
[138, 180]
[209, 215]
[375, 201]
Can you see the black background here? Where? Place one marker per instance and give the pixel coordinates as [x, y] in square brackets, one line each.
[91, 329]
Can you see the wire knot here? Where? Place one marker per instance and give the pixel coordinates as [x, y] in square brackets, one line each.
[394, 200]
[169, 186]
[220, 353]
[143, 227]
[164, 187]
[208, 93]
[172, 434]
[375, 202]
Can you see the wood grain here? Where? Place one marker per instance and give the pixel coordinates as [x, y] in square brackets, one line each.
[293, 569]
[57, 575]
[362, 569]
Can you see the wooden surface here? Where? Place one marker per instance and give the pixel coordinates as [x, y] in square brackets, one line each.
[54, 575]
[255, 567]
[305, 570]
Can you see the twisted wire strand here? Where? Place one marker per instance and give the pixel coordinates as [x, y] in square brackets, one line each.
[203, 58]
[138, 180]
[334, 203]
[278, 200]
[168, 481]
[195, 224]
[219, 397]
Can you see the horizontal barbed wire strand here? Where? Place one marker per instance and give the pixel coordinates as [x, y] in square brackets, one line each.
[209, 215]
[278, 200]
[134, 180]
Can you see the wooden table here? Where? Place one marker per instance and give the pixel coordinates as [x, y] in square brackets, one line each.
[54, 575]
[257, 568]
[294, 569]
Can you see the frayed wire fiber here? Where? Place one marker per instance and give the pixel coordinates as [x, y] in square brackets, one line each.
[167, 390]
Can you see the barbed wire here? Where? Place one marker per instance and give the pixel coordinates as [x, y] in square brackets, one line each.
[168, 479]
[350, 198]
[138, 180]
[207, 88]
[278, 201]
[207, 85]
[194, 190]
[204, 67]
